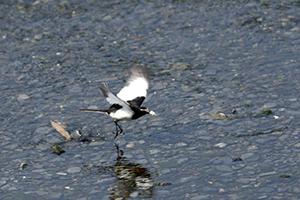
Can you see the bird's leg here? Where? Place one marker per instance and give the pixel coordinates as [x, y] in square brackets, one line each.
[118, 131]
[121, 130]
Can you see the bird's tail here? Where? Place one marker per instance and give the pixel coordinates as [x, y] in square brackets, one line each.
[95, 110]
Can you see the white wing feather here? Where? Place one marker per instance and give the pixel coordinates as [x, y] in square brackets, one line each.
[136, 86]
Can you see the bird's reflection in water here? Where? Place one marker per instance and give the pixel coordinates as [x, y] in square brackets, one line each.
[133, 180]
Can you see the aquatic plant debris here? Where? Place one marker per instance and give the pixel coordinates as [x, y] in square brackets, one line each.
[267, 112]
[284, 176]
[57, 149]
[61, 130]
[220, 115]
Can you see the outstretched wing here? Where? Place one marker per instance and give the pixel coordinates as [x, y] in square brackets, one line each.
[136, 87]
[111, 98]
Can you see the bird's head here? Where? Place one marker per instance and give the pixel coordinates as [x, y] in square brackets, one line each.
[151, 112]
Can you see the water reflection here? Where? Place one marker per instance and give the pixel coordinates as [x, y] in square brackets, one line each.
[133, 180]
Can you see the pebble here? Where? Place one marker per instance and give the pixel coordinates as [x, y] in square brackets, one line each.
[73, 170]
[266, 189]
[296, 189]
[22, 97]
[223, 168]
[267, 173]
[42, 193]
[293, 99]
[130, 145]
[56, 196]
[38, 37]
[43, 130]
[141, 141]
[42, 147]
[154, 151]
[220, 145]
[187, 179]
[142, 161]
[181, 160]
[269, 105]
[162, 192]
[179, 66]
[243, 180]
[247, 155]
[201, 197]
[180, 144]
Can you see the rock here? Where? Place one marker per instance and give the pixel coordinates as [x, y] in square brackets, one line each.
[57, 150]
[73, 170]
[23, 97]
[224, 168]
[180, 66]
[220, 145]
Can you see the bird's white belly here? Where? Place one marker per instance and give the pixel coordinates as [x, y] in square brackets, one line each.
[121, 115]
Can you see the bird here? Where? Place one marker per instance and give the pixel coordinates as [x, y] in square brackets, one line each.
[126, 105]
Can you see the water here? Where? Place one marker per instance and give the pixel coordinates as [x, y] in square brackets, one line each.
[237, 58]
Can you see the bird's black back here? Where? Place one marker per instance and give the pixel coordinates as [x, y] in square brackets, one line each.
[137, 102]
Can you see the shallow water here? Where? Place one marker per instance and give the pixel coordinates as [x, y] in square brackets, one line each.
[237, 58]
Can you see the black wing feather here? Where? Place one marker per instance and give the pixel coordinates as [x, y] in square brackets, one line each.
[137, 102]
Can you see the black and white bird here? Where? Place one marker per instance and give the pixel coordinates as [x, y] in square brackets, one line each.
[127, 104]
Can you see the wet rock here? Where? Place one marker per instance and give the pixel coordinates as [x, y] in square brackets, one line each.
[296, 189]
[38, 37]
[76, 134]
[220, 145]
[267, 112]
[22, 97]
[130, 145]
[23, 165]
[73, 170]
[201, 197]
[223, 168]
[57, 150]
[180, 66]
[154, 151]
[266, 189]
[186, 179]
[284, 176]
[181, 160]
[219, 115]
[42, 147]
[43, 130]
[180, 144]
[53, 140]
[56, 196]
[236, 159]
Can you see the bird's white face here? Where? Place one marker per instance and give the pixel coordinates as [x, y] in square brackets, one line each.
[152, 113]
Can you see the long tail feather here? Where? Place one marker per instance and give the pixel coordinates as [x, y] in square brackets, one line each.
[94, 110]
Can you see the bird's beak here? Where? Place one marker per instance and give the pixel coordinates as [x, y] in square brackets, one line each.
[152, 113]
